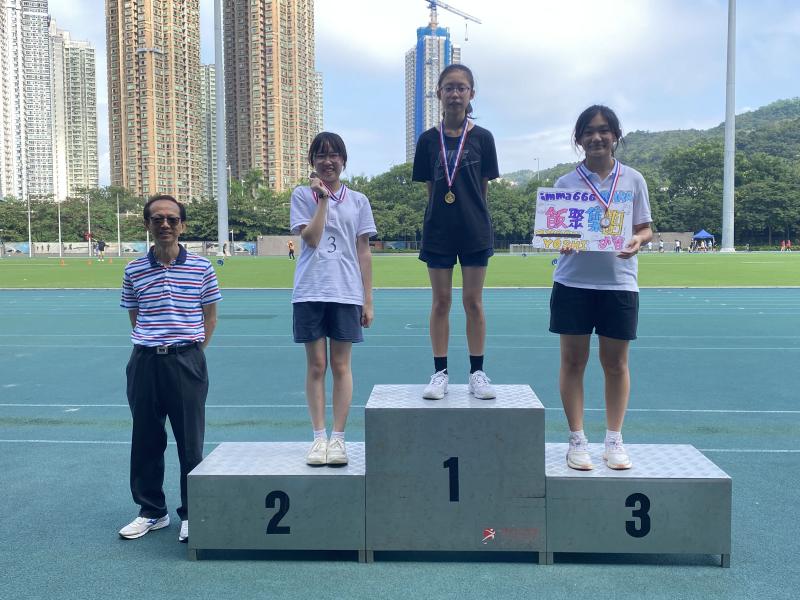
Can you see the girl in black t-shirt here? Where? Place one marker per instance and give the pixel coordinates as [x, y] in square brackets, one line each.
[456, 160]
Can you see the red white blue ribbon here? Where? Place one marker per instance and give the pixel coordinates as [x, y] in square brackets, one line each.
[339, 199]
[457, 161]
[583, 172]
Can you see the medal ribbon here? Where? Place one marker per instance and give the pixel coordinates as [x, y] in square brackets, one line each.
[340, 199]
[615, 175]
[457, 161]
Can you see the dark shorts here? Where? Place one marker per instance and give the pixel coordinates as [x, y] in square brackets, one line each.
[448, 261]
[314, 320]
[579, 311]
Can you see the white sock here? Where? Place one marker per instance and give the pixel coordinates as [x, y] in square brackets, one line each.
[320, 434]
[613, 436]
[578, 435]
[337, 435]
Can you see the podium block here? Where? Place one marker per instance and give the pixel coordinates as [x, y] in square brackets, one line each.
[458, 474]
[263, 496]
[673, 500]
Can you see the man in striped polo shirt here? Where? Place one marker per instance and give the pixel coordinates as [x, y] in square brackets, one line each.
[171, 298]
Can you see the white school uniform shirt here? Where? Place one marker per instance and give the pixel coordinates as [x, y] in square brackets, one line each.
[330, 272]
[603, 270]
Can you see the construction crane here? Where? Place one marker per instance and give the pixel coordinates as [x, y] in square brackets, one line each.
[434, 4]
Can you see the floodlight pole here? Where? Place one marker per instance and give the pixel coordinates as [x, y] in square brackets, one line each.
[730, 135]
[119, 232]
[60, 244]
[222, 156]
[30, 238]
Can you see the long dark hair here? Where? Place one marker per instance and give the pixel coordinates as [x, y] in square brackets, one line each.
[458, 67]
[586, 117]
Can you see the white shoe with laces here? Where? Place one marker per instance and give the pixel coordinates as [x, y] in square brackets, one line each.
[616, 456]
[578, 456]
[480, 386]
[318, 453]
[437, 388]
[337, 453]
[183, 536]
[141, 525]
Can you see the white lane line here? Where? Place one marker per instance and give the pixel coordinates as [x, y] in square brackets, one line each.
[723, 411]
[410, 335]
[125, 443]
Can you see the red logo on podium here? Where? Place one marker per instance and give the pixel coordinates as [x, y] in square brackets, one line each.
[488, 535]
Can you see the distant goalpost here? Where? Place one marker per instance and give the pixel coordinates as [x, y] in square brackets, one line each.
[524, 249]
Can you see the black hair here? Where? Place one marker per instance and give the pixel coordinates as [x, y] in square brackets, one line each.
[333, 141]
[464, 69]
[158, 197]
[587, 115]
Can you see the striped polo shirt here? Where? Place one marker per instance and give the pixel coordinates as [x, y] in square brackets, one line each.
[169, 299]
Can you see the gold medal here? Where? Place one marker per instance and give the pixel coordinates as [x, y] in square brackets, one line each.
[449, 197]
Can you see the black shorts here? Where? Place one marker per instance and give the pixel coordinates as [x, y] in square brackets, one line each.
[448, 261]
[579, 311]
[314, 320]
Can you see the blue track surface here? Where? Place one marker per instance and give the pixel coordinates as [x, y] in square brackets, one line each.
[713, 368]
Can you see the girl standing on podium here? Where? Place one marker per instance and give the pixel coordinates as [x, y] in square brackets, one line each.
[598, 291]
[456, 160]
[332, 295]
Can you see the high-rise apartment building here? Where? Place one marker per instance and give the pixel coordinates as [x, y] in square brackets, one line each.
[208, 112]
[431, 54]
[320, 123]
[270, 88]
[75, 157]
[6, 129]
[155, 131]
[29, 79]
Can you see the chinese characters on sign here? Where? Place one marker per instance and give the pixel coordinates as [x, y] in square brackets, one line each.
[575, 219]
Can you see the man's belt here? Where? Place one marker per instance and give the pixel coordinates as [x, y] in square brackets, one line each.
[168, 349]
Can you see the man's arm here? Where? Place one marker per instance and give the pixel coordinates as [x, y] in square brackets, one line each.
[133, 314]
[209, 321]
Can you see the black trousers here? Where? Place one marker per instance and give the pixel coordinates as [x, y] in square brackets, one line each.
[173, 385]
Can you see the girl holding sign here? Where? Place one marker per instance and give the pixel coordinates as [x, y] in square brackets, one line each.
[598, 291]
[456, 160]
[332, 295]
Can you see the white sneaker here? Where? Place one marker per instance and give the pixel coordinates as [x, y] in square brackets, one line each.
[337, 454]
[616, 456]
[578, 456]
[318, 453]
[141, 525]
[437, 388]
[183, 536]
[480, 386]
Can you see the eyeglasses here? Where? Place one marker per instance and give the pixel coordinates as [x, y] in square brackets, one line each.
[159, 221]
[461, 89]
[327, 156]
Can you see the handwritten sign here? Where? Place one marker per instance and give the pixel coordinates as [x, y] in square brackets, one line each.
[573, 219]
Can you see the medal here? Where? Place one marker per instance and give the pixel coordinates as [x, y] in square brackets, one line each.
[606, 220]
[450, 197]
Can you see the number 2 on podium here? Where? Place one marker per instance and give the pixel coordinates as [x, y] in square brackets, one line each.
[282, 499]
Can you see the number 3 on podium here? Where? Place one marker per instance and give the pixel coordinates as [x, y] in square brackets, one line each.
[641, 505]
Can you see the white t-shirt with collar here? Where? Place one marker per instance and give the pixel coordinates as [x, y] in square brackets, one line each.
[330, 272]
[604, 270]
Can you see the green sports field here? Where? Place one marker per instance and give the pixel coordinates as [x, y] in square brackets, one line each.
[755, 269]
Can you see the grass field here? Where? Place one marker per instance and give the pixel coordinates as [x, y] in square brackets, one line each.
[655, 270]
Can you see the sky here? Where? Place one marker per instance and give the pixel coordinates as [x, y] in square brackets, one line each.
[660, 64]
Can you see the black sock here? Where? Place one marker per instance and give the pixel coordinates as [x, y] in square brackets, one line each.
[475, 363]
[440, 363]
